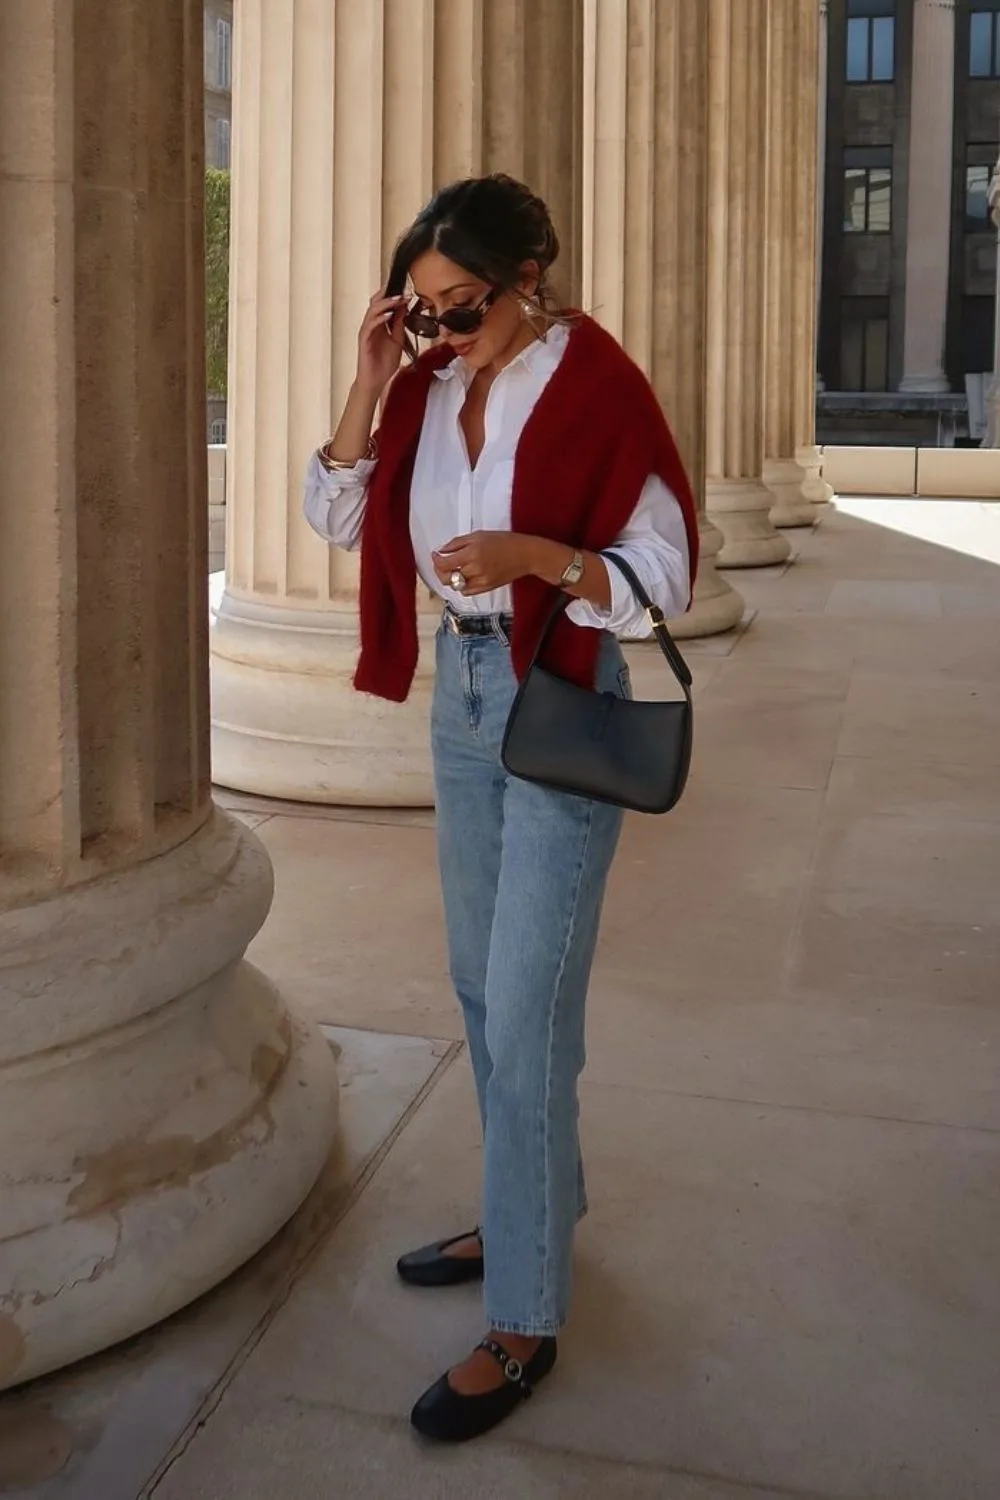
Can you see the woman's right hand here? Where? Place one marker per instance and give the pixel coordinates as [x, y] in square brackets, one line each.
[380, 342]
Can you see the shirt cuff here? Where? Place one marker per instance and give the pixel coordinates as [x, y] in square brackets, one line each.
[333, 482]
[592, 616]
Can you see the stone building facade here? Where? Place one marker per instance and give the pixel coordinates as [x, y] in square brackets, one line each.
[218, 141]
[912, 132]
[218, 83]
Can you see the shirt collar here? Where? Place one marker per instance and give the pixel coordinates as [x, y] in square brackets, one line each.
[544, 354]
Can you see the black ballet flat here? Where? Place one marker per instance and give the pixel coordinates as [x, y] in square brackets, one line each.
[448, 1417]
[431, 1266]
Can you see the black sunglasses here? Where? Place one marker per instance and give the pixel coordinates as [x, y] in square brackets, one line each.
[426, 325]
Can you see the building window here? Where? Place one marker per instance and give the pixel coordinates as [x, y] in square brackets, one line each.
[864, 345]
[984, 44]
[223, 54]
[868, 190]
[219, 430]
[977, 199]
[222, 136]
[871, 41]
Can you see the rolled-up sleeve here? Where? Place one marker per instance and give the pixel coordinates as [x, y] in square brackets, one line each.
[334, 503]
[655, 544]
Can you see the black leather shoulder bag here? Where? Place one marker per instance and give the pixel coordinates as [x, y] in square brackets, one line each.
[598, 745]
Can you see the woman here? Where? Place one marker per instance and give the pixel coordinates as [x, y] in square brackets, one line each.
[508, 456]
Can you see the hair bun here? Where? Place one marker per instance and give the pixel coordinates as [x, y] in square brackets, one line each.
[515, 198]
[492, 226]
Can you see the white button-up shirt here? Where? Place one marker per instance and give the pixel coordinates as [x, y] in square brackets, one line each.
[450, 498]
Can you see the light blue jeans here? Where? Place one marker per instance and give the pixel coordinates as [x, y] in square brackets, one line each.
[523, 872]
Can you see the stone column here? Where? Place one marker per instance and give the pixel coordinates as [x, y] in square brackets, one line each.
[162, 1115]
[824, 83]
[391, 98]
[790, 216]
[532, 58]
[738, 501]
[992, 438]
[928, 230]
[808, 119]
[644, 118]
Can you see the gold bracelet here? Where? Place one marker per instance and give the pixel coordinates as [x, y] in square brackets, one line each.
[331, 464]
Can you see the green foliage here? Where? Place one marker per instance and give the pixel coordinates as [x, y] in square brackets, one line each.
[216, 279]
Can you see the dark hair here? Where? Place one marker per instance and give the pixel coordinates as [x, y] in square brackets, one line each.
[490, 226]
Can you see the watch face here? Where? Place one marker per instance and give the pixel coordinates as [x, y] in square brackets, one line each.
[574, 572]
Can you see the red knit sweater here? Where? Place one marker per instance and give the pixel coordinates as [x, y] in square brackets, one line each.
[594, 437]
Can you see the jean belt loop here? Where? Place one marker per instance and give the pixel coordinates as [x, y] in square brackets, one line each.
[499, 631]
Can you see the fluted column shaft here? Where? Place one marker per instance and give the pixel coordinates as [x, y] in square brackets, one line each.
[808, 124]
[992, 438]
[791, 459]
[738, 501]
[130, 1030]
[531, 80]
[790, 211]
[644, 119]
[391, 99]
[823, 71]
[928, 230]
[104, 750]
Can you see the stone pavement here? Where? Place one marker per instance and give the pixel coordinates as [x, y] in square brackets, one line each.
[788, 1284]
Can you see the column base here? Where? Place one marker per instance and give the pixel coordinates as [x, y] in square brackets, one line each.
[716, 606]
[287, 722]
[935, 384]
[814, 486]
[163, 1114]
[741, 510]
[785, 478]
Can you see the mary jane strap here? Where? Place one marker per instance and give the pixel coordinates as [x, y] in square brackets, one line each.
[512, 1368]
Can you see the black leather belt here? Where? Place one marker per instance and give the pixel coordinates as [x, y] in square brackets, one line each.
[498, 625]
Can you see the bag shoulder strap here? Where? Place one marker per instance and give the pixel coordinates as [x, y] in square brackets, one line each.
[656, 618]
[654, 614]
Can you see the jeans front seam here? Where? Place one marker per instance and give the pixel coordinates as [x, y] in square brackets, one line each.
[553, 1014]
[475, 690]
[471, 687]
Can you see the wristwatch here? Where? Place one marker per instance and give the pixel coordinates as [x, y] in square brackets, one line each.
[574, 572]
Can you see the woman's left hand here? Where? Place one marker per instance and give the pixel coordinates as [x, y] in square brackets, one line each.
[487, 559]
